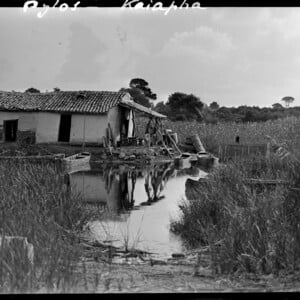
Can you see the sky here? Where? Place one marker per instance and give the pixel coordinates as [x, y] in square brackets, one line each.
[235, 56]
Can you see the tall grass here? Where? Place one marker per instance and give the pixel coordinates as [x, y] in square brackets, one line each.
[212, 135]
[36, 204]
[249, 229]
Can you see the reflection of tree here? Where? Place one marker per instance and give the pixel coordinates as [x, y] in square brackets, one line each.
[120, 184]
[155, 181]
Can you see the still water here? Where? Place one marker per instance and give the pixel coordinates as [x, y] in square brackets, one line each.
[139, 203]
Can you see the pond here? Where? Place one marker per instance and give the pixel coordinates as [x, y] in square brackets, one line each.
[138, 203]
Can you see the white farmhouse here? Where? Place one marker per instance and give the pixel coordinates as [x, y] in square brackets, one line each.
[68, 116]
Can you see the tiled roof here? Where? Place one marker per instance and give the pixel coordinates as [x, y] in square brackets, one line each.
[93, 102]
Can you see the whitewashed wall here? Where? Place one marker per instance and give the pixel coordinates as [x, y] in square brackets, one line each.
[90, 186]
[95, 126]
[114, 119]
[47, 127]
[26, 120]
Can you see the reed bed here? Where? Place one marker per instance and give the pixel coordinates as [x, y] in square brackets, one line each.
[248, 228]
[283, 131]
[35, 203]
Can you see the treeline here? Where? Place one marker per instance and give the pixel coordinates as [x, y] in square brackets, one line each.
[249, 114]
[188, 107]
[184, 107]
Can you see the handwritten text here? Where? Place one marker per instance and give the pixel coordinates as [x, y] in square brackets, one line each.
[34, 4]
[158, 6]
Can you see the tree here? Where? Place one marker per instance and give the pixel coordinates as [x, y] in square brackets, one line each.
[162, 108]
[277, 106]
[140, 92]
[32, 90]
[287, 100]
[141, 84]
[214, 105]
[183, 106]
[56, 89]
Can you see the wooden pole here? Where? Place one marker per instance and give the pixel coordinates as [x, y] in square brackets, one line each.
[171, 139]
[164, 145]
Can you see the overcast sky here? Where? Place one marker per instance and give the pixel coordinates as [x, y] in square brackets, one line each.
[235, 56]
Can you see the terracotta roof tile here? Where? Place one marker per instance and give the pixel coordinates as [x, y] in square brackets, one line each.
[94, 102]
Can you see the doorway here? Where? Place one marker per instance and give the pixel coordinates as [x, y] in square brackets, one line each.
[10, 130]
[64, 128]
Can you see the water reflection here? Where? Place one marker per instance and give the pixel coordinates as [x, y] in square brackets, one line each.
[139, 202]
[114, 186]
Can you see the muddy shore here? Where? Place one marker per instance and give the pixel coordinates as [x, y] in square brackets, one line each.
[106, 269]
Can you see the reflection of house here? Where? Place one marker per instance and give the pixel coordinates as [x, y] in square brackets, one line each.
[121, 188]
[72, 117]
[115, 191]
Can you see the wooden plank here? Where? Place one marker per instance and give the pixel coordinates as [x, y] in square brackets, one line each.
[171, 139]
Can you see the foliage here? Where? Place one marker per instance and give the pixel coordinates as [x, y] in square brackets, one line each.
[214, 105]
[182, 107]
[140, 92]
[143, 85]
[277, 106]
[288, 100]
[213, 113]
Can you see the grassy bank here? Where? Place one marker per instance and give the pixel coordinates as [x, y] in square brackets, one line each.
[248, 228]
[35, 203]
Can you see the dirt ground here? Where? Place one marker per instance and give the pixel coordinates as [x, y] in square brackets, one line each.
[106, 269]
[178, 276]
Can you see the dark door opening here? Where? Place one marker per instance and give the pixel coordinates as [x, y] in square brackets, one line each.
[124, 123]
[64, 128]
[10, 130]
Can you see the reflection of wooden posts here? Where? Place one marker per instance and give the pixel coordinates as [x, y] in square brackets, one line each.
[133, 181]
[148, 132]
[147, 185]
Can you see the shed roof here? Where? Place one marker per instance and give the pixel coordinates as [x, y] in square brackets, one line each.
[93, 102]
[141, 108]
